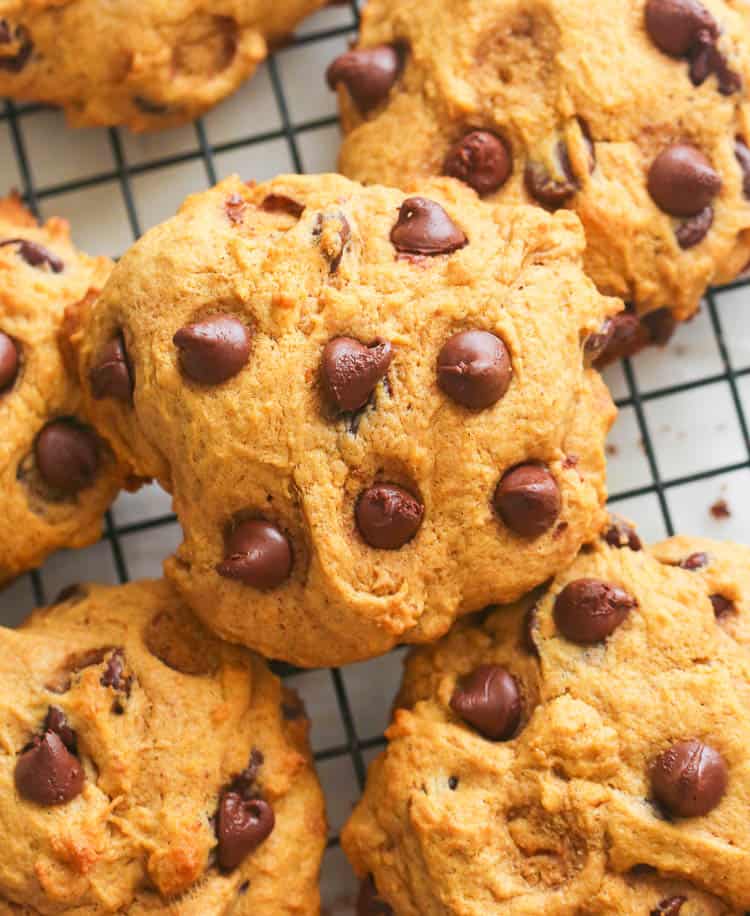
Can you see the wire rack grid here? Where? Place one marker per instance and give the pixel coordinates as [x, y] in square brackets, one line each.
[679, 455]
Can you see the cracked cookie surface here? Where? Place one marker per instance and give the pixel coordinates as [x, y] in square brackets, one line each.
[148, 64]
[581, 752]
[373, 412]
[570, 104]
[57, 478]
[180, 774]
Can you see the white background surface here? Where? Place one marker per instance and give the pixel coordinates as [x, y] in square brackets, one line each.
[694, 432]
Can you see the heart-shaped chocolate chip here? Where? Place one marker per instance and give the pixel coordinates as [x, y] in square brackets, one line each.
[241, 826]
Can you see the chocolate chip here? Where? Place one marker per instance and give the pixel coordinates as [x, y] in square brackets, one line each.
[675, 25]
[587, 611]
[529, 629]
[689, 779]
[453, 783]
[9, 362]
[47, 773]
[474, 369]
[695, 229]
[388, 516]
[490, 701]
[57, 722]
[659, 325]
[36, 255]
[695, 561]
[528, 499]
[114, 674]
[350, 370]
[369, 903]
[241, 826]
[235, 207]
[368, 74]
[67, 456]
[333, 233]
[480, 159]
[722, 606]
[624, 337]
[111, 376]
[706, 59]
[425, 228]
[622, 534]
[596, 345]
[549, 191]
[213, 350]
[258, 554]
[682, 181]
[742, 152]
[16, 62]
[280, 203]
[670, 906]
[149, 106]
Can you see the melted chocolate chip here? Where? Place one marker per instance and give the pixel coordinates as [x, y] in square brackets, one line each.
[213, 350]
[490, 701]
[659, 325]
[676, 25]
[547, 190]
[258, 554]
[529, 629]
[47, 773]
[368, 74]
[528, 499]
[111, 376]
[670, 906]
[707, 59]
[722, 606]
[480, 159]
[695, 561]
[596, 345]
[689, 779]
[280, 203]
[369, 903]
[9, 362]
[388, 516]
[695, 229]
[67, 456]
[36, 255]
[682, 181]
[241, 826]
[742, 152]
[622, 534]
[350, 371]
[424, 228]
[114, 674]
[57, 722]
[14, 63]
[474, 369]
[587, 611]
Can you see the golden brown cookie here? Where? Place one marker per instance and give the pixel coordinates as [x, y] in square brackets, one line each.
[632, 114]
[57, 477]
[148, 64]
[373, 412]
[149, 768]
[581, 752]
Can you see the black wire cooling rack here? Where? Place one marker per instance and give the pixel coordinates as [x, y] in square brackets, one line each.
[657, 495]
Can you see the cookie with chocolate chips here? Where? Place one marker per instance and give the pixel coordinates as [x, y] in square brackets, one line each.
[362, 401]
[138, 63]
[632, 114]
[149, 767]
[57, 477]
[581, 751]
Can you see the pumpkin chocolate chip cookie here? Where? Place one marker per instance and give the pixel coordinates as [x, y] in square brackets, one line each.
[583, 751]
[373, 411]
[147, 64]
[57, 477]
[149, 768]
[632, 114]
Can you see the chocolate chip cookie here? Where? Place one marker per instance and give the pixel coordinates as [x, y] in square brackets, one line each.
[147, 64]
[373, 411]
[57, 477]
[581, 752]
[149, 768]
[634, 115]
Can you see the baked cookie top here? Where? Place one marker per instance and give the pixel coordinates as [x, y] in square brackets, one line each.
[583, 751]
[148, 64]
[632, 113]
[57, 477]
[373, 411]
[148, 767]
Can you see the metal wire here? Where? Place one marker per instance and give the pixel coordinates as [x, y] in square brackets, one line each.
[355, 746]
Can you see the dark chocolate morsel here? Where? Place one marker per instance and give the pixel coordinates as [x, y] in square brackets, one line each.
[47, 773]
[257, 554]
[490, 701]
[474, 369]
[480, 159]
[350, 370]
[111, 376]
[682, 181]
[388, 516]
[587, 611]
[689, 779]
[67, 456]
[241, 826]
[528, 499]
[423, 227]
[368, 74]
[36, 255]
[9, 362]
[213, 350]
